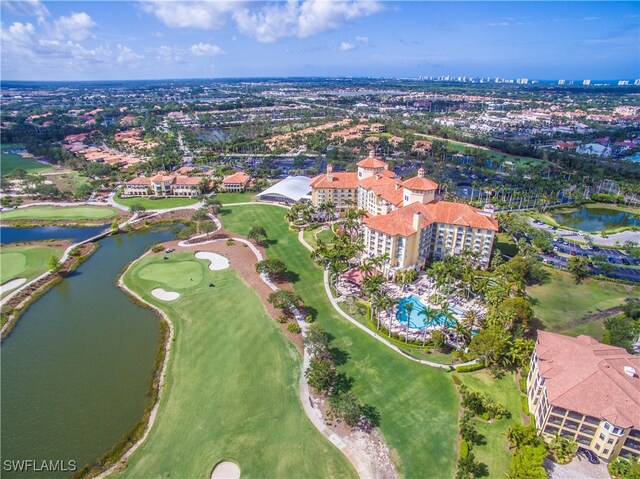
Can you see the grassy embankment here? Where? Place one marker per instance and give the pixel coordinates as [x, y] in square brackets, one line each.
[417, 404]
[312, 236]
[569, 308]
[155, 204]
[59, 213]
[27, 262]
[231, 389]
[12, 161]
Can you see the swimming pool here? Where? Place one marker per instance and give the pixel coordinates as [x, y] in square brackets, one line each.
[417, 320]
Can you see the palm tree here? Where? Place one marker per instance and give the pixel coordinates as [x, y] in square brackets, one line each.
[408, 306]
[429, 314]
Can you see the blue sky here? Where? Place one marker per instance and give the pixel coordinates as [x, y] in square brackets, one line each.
[200, 39]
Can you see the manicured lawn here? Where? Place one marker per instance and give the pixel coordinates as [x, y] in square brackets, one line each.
[506, 245]
[232, 383]
[12, 161]
[155, 204]
[59, 213]
[417, 404]
[227, 198]
[495, 453]
[561, 304]
[312, 236]
[25, 261]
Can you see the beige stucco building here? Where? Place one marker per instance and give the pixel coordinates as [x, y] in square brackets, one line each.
[583, 390]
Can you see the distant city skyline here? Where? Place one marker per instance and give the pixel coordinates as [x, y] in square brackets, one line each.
[159, 39]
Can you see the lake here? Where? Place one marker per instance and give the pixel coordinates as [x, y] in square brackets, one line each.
[10, 235]
[77, 365]
[591, 219]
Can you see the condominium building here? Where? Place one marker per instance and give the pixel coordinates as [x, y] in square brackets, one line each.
[404, 219]
[163, 184]
[583, 390]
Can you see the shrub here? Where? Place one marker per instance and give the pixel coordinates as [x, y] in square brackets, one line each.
[456, 380]
[309, 319]
[157, 248]
[283, 319]
[523, 385]
[464, 449]
[486, 416]
[75, 252]
[230, 242]
[525, 404]
[469, 368]
[293, 328]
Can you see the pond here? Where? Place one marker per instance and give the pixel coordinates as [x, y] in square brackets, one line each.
[77, 365]
[10, 235]
[591, 219]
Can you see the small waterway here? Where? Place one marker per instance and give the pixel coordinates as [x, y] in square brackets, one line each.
[10, 235]
[596, 219]
[76, 367]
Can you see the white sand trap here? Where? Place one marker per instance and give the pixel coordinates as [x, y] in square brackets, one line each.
[217, 261]
[13, 284]
[226, 470]
[165, 295]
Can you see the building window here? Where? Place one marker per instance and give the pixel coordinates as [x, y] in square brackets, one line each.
[610, 440]
[597, 447]
[601, 437]
[605, 452]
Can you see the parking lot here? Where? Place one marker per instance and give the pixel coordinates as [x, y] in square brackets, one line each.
[624, 266]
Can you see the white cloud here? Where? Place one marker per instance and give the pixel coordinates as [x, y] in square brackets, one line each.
[77, 26]
[362, 39]
[206, 15]
[264, 21]
[33, 8]
[206, 50]
[346, 46]
[128, 56]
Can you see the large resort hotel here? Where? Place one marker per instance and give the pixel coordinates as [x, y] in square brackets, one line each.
[404, 219]
[583, 390]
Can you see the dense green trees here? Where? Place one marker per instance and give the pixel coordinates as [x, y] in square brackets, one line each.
[258, 234]
[275, 268]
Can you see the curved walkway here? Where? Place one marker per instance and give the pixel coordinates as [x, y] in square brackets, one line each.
[364, 465]
[373, 334]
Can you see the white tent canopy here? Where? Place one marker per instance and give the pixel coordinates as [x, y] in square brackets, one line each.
[291, 189]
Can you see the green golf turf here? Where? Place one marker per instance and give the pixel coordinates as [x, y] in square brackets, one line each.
[562, 305]
[13, 161]
[231, 388]
[417, 404]
[25, 261]
[152, 203]
[59, 213]
[227, 198]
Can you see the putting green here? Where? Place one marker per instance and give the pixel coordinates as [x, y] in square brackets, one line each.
[231, 387]
[175, 275]
[59, 213]
[27, 262]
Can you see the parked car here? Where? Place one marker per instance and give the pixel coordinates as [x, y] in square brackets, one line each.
[625, 261]
[596, 248]
[573, 253]
[169, 250]
[591, 457]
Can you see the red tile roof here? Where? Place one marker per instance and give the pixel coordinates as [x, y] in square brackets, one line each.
[400, 221]
[586, 376]
[341, 179]
[140, 180]
[237, 178]
[420, 184]
[187, 180]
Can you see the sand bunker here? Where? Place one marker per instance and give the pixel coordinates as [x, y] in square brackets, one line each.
[165, 295]
[217, 261]
[13, 284]
[226, 470]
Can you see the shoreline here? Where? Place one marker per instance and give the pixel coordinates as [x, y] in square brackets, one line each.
[17, 302]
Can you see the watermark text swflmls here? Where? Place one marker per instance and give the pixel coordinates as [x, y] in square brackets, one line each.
[39, 465]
